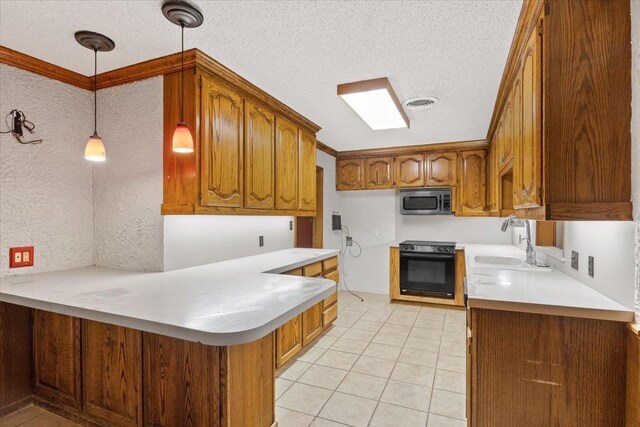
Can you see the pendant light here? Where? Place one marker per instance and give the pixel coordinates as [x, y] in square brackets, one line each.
[94, 150]
[184, 15]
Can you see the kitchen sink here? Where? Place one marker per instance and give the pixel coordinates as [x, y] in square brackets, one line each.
[505, 263]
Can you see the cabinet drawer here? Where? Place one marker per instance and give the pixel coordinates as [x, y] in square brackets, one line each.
[330, 314]
[312, 270]
[333, 275]
[330, 263]
[332, 299]
[295, 272]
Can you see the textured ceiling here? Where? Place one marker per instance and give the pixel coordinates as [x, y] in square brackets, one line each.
[298, 51]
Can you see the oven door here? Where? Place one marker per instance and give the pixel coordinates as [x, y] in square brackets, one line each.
[427, 274]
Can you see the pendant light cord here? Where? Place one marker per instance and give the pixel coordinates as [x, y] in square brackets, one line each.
[182, 77]
[95, 91]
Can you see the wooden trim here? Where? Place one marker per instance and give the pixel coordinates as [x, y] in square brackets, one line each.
[634, 327]
[633, 380]
[461, 271]
[37, 66]
[324, 147]
[215, 210]
[527, 22]
[413, 149]
[546, 233]
[374, 84]
[318, 224]
[614, 211]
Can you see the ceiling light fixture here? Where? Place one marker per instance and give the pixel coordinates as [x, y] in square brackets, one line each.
[94, 150]
[375, 102]
[184, 15]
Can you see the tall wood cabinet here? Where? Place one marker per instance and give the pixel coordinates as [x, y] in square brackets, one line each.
[259, 146]
[471, 195]
[306, 171]
[286, 164]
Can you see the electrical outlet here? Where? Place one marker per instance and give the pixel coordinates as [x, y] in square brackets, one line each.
[591, 262]
[375, 232]
[21, 257]
[575, 260]
[290, 225]
[261, 241]
[349, 241]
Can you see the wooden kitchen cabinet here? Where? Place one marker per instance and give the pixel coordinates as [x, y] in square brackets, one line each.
[259, 145]
[350, 174]
[532, 369]
[112, 373]
[286, 165]
[16, 357]
[288, 340]
[307, 171]
[471, 193]
[442, 169]
[56, 354]
[379, 173]
[312, 323]
[409, 170]
[222, 144]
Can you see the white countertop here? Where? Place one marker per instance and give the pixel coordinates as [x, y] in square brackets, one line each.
[543, 292]
[225, 303]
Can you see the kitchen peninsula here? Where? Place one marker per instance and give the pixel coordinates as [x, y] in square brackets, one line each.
[162, 349]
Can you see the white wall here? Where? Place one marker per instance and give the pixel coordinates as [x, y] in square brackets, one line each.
[191, 240]
[46, 189]
[635, 137]
[127, 188]
[331, 199]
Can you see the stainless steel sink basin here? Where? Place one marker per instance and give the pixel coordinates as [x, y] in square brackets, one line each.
[505, 263]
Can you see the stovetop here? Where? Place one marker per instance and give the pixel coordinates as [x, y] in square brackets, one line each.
[426, 246]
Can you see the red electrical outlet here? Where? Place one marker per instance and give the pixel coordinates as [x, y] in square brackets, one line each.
[21, 257]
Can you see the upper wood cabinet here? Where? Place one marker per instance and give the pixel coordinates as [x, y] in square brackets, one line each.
[442, 169]
[409, 171]
[259, 172]
[222, 144]
[350, 174]
[471, 195]
[286, 165]
[253, 155]
[307, 171]
[379, 173]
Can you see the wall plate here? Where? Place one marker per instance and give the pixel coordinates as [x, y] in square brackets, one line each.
[575, 260]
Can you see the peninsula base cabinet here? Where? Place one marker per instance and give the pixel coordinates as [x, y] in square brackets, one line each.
[542, 370]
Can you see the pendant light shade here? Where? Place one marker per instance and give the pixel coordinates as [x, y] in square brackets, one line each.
[94, 150]
[184, 15]
[182, 139]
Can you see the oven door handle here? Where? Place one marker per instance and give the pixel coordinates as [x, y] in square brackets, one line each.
[426, 256]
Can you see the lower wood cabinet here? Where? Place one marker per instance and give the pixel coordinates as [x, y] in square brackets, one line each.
[112, 373]
[312, 323]
[16, 352]
[56, 353]
[288, 340]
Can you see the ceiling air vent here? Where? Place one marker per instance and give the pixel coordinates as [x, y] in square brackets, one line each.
[420, 103]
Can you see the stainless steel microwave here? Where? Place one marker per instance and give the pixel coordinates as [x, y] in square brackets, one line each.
[427, 201]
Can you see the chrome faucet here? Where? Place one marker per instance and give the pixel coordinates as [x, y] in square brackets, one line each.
[514, 221]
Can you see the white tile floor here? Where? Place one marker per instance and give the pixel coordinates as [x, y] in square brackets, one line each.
[380, 364]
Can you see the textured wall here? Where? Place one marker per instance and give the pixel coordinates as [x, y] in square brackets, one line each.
[635, 135]
[331, 199]
[128, 186]
[46, 189]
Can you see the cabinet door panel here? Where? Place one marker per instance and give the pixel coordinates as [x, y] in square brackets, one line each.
[379, 172]
[409, 171]
[259, 159]
[307, 171]
[311, 323]
[350, 174]
[222, 145]
[442, 169]
[112, 366]
[472, 183]
[288, 340]
[517, 138]
[286, 165]
[530, 179]
[507, 143]
[56, 349]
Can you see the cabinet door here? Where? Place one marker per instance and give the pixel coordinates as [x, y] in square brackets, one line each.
[409, 171]
[222, 144]
[288, 340]
[112, 367]
[379, 173]
[530, 179]
[312, 323]
[350, 174]
[507, 142]
[472, 182]
[259, 175]
[286, 164]
[307, 171]
[517, 137]
[56, 352]
[442, 168]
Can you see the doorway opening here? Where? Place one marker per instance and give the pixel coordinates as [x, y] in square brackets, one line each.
[308, 230]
